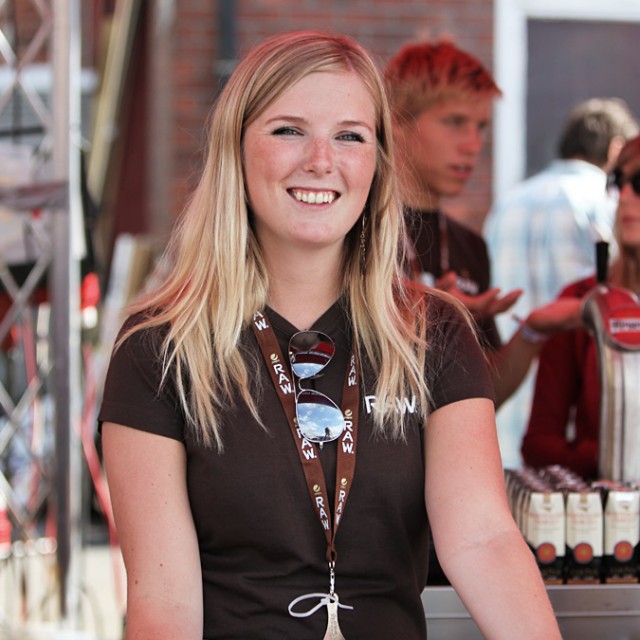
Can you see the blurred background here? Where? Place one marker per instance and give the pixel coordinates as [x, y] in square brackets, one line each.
[103, 105]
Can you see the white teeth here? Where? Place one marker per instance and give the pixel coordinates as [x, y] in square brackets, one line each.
[314, 197]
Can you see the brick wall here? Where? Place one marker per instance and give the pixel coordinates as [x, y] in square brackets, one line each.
[381, 25]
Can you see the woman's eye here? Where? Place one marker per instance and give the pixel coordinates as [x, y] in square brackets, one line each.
[351, 137]
[285, 131]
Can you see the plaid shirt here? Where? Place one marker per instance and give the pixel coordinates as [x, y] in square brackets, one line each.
[541, 236]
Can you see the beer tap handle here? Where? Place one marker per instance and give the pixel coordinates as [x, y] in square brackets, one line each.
[602, 261]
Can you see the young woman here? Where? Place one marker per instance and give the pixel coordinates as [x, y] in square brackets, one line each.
[567, 383]
[281, 415]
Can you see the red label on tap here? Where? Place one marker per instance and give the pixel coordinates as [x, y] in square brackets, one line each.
[623, 326]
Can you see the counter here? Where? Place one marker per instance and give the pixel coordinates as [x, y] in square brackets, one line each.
[584, 612]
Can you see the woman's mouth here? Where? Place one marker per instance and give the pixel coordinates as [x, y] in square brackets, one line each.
[313, 196]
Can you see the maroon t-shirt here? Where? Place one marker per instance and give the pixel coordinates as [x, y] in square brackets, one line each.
[466, 254]
[261, 544]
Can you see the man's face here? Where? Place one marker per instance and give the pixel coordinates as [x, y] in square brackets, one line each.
[442, 146]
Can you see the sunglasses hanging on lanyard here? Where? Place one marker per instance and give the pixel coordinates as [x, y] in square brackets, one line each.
[313, 419]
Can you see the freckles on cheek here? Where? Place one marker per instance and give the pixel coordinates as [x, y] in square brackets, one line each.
[364, 165]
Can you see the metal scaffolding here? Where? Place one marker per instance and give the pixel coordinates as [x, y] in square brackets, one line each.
[40, 383]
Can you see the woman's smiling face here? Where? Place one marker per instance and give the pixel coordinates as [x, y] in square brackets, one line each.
[309, 161]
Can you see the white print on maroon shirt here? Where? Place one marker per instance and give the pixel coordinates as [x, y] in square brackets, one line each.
[401, 405]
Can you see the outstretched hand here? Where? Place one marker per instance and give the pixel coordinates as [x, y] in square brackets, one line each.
[562, 314]
[486, 304]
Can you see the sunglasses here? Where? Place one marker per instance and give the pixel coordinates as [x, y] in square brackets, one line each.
[617, 180]
[319, 417]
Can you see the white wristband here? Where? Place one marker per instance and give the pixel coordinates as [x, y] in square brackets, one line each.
[529, 334]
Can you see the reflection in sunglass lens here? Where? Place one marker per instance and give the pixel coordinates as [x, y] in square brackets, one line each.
[319, 418]
[310, 352]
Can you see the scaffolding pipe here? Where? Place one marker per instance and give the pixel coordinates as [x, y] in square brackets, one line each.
[65, 302]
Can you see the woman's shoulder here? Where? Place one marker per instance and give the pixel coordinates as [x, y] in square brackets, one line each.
[578, 288]
[443, 312]
[142, 332]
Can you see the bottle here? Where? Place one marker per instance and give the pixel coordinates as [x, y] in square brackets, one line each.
[621, 535]
[584, 537]
[546, 533]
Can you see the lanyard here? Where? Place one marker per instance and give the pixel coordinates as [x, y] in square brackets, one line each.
[444, 242]
[307, 451]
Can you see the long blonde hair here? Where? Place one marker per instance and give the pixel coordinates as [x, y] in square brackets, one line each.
[219, 280]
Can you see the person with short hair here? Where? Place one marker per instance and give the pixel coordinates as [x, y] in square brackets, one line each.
[542, 233]
[442, 99]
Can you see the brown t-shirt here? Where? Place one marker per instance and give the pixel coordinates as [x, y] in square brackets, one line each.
[261, 544]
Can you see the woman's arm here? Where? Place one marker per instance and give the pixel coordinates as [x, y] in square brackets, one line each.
[562, 380]
[477, 541]
[513, 361]
[147, 482]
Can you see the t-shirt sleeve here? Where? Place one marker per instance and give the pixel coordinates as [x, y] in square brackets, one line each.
[134, 393]
[457, 368]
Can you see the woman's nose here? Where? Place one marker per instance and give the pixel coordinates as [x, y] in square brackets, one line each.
[319, 156]
[627, 190]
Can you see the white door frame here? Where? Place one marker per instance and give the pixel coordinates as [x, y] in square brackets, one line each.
[510, 70]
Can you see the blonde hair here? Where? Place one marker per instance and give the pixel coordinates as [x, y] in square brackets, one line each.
[625, 271]
[219, 280]
[424, 74]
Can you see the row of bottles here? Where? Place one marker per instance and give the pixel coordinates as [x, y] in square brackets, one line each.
[579, 532]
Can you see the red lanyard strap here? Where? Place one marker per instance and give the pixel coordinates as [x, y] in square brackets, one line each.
[307, 451]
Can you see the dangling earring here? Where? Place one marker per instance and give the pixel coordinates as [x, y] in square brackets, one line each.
[363, 242]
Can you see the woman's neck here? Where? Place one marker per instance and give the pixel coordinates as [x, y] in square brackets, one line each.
[625, 271]
[302, 290]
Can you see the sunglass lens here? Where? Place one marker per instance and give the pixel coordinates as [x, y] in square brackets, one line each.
[310, 352]
[618, 180]
[319, 418]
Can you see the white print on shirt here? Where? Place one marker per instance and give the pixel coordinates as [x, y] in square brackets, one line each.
[402, 405]
[466, 285]
[470, 287]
